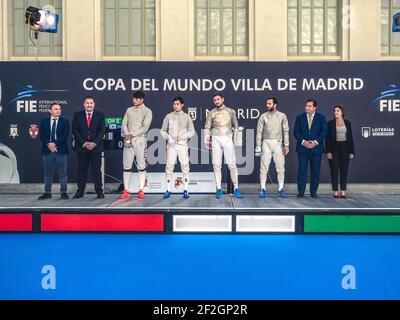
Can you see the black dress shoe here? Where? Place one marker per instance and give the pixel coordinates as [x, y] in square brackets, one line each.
[64, 196]
[45, 196]
[77, 195]
[300, 195]
[314, 195]
[100, 196]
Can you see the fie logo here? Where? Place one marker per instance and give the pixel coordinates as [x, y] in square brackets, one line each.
[28, 91]
[385, 98]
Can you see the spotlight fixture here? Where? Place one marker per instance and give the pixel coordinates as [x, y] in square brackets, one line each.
[396, 22]
[41, 20]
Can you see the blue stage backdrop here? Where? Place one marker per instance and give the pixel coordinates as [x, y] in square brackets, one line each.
[87, 266]
[369, 91]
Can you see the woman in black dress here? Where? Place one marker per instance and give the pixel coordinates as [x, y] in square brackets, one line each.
[339, 149]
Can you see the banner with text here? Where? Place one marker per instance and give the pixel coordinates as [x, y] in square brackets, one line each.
[369, 92]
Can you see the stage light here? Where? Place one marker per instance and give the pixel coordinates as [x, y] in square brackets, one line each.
[41, 20]
[396, 22]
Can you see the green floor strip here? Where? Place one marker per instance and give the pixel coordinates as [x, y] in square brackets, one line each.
[351, 223]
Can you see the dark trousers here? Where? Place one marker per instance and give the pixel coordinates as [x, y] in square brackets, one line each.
[315, 166]
[92, 158]
[51, 161]
[339, 165]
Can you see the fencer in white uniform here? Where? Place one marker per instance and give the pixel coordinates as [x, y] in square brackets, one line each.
[177, 129]
[220, 124]
[136, 123]
[8, 161]
[8, 165]
[272, 142]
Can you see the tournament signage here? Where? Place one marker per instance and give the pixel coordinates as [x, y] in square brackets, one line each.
[113, 137]
[369, 91]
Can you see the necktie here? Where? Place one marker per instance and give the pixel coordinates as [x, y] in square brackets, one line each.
[53, 131]
[309, 121]
[88, 120]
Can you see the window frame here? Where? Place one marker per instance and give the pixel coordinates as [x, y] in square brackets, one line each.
[28, 57]
[142, 56]
[324, 44]
[222, 55]
[390, 44]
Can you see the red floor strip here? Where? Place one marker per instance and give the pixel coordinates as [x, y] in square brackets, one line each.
[15, 222]
[103, 222]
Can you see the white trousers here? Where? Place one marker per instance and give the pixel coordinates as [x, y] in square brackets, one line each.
[223, 146]
[137, 151]
[180, 152]
[272, 148]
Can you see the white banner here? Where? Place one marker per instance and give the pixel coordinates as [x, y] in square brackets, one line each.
[198, 182]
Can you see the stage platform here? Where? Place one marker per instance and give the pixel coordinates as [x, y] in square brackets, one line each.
[202, 213]
[201, 248]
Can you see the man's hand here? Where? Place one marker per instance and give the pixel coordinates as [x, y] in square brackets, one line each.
[312, 144]
[207, 142]
[52, 147]
[306, 144]
[257, 151]
[90, 145]
[128, 137]
[329, 156]
[171, 142]
[351, 156]
[285, 150]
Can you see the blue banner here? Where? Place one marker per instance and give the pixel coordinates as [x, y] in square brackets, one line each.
[189, 267]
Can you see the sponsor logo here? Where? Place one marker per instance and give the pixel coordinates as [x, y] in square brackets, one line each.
[367, 132]
[27, 91]
[199, 182]
[13, 130]
[244, 113]
[385, 103]
[192, 112]
[178, 182]
[33, 131]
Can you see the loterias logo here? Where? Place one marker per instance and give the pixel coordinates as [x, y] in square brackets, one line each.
[27, 91]
[367, 132]
[386, 104]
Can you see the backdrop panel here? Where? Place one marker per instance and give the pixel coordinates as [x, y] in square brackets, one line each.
[368, 91]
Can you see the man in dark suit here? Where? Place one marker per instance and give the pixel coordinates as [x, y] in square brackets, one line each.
[53, 133]
[88, 129]
[310, 130]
